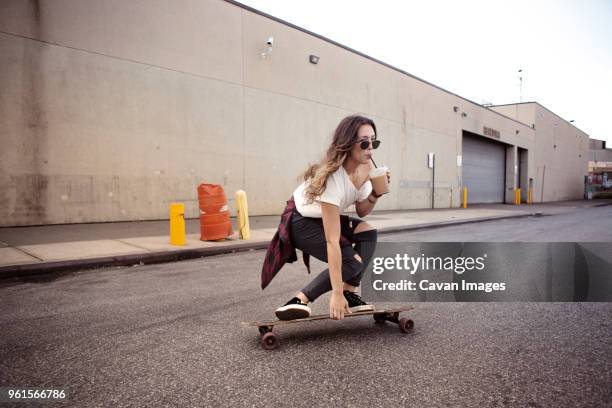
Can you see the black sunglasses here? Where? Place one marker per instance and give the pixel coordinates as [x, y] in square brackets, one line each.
[366, 143]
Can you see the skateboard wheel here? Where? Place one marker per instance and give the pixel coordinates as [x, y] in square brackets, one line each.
[405, 324]
[269, 341]
[380, 318]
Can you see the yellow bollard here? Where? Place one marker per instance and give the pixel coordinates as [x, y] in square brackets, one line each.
[242, 215]
[515, 191]
[518, 196]
[177, 224]
[528, 196]
[464, 197]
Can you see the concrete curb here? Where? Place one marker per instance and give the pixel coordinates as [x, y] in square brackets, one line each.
[123, 260]
[13, 271]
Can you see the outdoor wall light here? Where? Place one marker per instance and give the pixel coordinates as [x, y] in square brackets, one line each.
[518, 131]
[269, 44]
[463, 114]
[314, 59]
[455, 109]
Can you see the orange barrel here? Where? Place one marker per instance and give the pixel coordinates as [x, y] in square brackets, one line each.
[214, 215]
[211, 198]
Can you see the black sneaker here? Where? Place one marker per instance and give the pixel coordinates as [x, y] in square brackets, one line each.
[356, 303]
[293, 309]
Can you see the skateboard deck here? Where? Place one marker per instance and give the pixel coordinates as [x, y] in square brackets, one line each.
[270, 341]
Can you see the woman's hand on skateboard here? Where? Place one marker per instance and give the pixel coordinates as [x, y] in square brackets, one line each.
[338, 306]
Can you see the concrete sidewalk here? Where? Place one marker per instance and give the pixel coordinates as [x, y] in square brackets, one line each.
[42, 249]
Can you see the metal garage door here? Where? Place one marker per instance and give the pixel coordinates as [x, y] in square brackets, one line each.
[484, 169]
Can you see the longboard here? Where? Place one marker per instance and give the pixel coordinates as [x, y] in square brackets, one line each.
[270, 341]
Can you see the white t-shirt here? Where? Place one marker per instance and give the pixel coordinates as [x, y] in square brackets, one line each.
[339, 191]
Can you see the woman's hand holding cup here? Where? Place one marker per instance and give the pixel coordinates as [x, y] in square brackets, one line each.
[380, 178]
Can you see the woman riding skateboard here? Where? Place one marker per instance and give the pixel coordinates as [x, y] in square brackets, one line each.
[312, 222]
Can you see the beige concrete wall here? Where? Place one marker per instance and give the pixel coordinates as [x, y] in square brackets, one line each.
[562, 157]
[202, 37]
[111, 110]
[523, 112]
[119, 109]
[511, 173]
[95, 139]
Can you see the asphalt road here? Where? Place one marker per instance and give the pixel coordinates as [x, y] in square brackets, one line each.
[581, 225]
[169, 335]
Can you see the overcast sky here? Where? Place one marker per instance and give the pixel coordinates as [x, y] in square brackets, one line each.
[474, 48]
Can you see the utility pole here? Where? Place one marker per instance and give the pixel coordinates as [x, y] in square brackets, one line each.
[520, 85]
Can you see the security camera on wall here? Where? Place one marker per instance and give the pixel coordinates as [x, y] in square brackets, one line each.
[270, 44]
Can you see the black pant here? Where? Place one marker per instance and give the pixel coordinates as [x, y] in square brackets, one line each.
[308, 235]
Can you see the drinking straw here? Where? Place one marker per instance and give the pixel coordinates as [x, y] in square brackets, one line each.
[373, 162]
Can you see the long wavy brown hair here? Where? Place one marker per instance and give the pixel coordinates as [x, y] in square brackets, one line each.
[344, 139]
